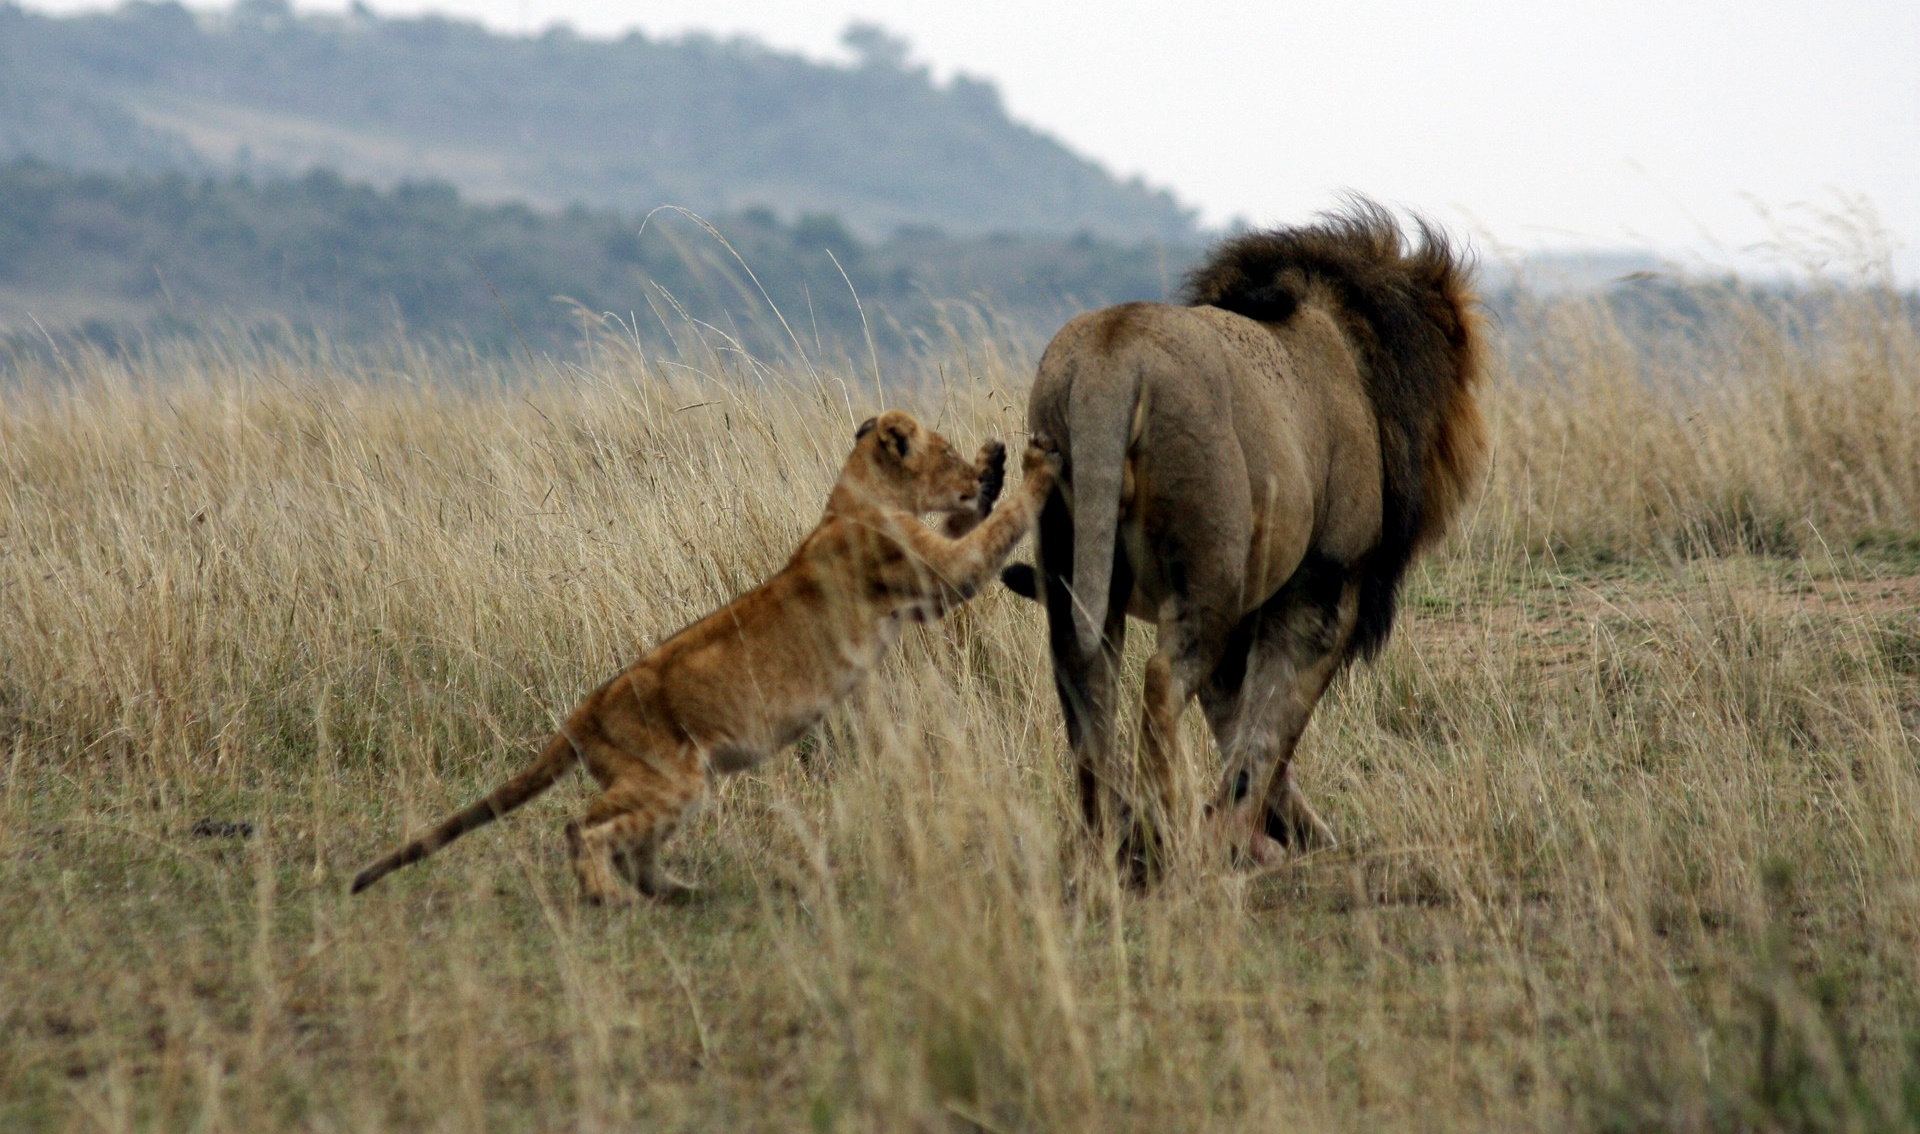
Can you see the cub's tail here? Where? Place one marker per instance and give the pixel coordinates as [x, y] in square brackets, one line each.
[554, 761]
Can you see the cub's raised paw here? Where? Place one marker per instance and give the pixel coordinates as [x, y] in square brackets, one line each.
[992, 463]
[1042, 457]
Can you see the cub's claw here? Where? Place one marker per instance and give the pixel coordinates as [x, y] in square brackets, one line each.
[992, 463]
[1042, 455]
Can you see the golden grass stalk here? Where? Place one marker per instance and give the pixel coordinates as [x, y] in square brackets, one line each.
[1631, 805]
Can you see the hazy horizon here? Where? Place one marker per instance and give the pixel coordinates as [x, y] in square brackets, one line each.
[1704, 134]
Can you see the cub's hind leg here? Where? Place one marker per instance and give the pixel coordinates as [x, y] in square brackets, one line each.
[647, 831]
[593, 865]
[638, 862]
[618, 844]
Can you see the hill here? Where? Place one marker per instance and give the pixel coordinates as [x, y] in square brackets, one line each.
[716, 126]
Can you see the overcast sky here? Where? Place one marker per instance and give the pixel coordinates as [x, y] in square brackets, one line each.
[1702, 128]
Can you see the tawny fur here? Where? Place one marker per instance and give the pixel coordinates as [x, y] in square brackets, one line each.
[735, 687]
[1252, 473]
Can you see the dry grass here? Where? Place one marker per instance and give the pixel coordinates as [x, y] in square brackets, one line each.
[1631, 805]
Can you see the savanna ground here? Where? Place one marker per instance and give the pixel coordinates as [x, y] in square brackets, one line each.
[1630, 807]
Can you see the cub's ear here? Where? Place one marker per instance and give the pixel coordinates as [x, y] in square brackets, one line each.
[897, 428]
[866, 427]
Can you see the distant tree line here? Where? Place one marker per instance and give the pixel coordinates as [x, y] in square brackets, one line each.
[113, 258]
[320, 253]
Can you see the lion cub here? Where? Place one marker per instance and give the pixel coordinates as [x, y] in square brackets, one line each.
[735, 687]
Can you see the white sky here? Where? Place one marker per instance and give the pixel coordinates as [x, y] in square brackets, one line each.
[1701, 128]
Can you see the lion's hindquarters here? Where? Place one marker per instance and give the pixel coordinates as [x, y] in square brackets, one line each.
[1335, 365]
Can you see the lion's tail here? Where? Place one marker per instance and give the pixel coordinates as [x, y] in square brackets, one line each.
[1102, 425]
[553, 762]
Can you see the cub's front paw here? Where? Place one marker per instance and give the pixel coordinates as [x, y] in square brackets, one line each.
[992, 463]
[1042, 460]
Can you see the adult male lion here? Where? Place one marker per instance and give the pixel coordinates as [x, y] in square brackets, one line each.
[742, 683]
[1251, 472]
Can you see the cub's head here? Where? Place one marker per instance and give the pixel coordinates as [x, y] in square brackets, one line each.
[912, 467]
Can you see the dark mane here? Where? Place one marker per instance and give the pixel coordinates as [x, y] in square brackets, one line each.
[1408, 308]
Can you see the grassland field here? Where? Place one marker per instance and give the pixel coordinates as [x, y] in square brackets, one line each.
[1629, 807]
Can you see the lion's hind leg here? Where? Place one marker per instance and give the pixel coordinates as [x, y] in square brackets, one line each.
[1193, 631]
[639, 864]
[1299, 640]
[593, 865]
[617, 845]
[1160, 820]
[1226, 698]
[1088, 685]
[1291, 820]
